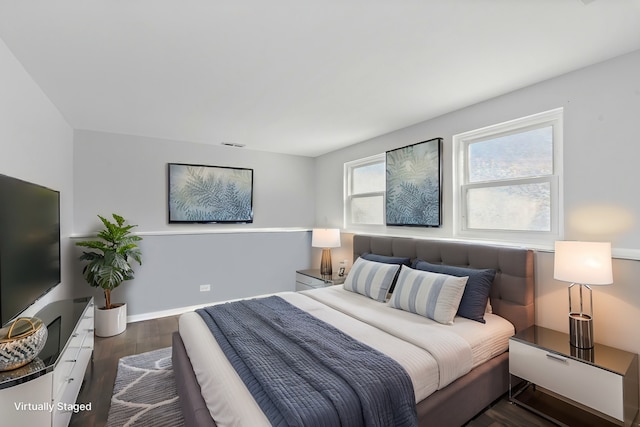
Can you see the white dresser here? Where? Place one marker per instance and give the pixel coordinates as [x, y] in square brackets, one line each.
[602, 380]
[44, 392]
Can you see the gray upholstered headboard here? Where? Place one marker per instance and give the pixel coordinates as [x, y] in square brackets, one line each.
[512, 291]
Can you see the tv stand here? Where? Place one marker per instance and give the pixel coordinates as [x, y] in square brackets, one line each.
[44, 392]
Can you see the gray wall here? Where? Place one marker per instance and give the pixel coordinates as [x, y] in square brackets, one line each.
[235, 265]
[128, 175]
[601, 130]
[36, 145]
[102, 173]
[601, 150]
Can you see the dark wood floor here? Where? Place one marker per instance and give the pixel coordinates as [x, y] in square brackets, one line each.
[153, 334]
[97, 388]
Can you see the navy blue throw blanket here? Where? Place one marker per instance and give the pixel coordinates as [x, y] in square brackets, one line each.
[303, 372]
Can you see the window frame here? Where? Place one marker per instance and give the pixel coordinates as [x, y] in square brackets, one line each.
[461, 186]
[349, 167]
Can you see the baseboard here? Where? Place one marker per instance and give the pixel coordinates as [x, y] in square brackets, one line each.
[177, 311]
[164, 313]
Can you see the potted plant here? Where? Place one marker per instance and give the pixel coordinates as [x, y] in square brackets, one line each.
[108, 266]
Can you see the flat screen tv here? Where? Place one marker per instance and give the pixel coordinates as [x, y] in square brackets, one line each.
[29, 244]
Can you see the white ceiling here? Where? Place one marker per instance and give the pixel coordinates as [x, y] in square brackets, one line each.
[298, 76]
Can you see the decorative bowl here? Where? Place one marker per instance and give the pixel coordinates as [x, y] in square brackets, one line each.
[21, 341]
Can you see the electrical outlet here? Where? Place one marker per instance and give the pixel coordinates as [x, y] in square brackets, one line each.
[205, 288]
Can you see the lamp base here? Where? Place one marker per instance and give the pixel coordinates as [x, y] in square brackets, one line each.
[587, 354]
[325, 263]
[580, 330]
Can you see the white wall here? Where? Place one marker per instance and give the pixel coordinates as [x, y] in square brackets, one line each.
[36, 145]
[128, 175]
[601, 150]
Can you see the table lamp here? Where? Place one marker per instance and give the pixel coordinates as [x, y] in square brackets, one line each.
[325, 238]
[583, 264]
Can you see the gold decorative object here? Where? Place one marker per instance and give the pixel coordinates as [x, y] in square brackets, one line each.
[21, 341]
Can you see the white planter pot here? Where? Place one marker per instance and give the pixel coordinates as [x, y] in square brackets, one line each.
[110, 322]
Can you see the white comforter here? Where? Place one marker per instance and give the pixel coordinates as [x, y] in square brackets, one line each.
[433, 355]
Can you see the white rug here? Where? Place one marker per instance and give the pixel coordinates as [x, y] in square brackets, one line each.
[145, 393]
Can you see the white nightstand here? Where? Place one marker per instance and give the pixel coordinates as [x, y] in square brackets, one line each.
[312, 279]
[602, 381]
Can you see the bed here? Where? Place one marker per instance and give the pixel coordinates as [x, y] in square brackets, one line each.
[454, 398]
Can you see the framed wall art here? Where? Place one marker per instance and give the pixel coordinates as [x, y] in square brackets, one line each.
[209, 194]
[414, 177]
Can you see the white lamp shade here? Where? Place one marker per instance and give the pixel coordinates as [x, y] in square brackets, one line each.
[325, 238]
[586, 263]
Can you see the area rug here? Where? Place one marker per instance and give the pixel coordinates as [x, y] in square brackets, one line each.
[145, 393]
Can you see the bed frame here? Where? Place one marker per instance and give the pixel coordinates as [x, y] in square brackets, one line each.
[511, 297]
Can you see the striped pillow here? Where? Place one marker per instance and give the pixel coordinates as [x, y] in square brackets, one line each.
[370, 278]
[433, 295]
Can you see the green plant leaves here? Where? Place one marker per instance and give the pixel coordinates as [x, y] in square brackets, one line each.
[109, 262]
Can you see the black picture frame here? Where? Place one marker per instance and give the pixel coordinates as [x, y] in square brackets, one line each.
[206, 194]
[414, 185]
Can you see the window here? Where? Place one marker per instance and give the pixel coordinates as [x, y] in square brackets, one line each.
[365, 191]
[508, 180]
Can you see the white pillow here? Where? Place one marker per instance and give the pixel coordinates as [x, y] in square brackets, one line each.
[433, 295]
[371, 278]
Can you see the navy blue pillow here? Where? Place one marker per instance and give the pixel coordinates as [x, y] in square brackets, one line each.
[474, 299]
[388, 260]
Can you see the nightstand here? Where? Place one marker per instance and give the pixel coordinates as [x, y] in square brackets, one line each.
[602, 381]
[312, 279]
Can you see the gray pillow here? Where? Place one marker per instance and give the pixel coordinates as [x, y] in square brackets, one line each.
[476, 294]
[388, 260]
[433, 295]
[370, 278]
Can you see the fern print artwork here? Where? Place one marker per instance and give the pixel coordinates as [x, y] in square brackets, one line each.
[413, 184]
[210, 194]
